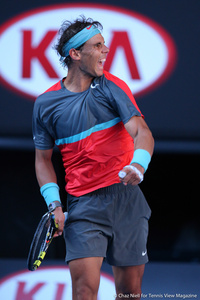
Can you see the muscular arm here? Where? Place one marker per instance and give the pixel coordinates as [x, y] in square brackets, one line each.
[45, 173]
[141, 134]
[143, 139]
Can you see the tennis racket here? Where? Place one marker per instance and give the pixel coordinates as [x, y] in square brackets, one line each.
[42, 239]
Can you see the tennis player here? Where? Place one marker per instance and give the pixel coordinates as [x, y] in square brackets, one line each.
[106, 147]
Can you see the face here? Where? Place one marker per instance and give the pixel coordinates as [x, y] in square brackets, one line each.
[93, 55]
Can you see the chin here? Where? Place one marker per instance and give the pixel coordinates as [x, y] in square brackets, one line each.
[99, 73]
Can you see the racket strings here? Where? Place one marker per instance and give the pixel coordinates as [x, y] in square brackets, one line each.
[42, 239]
[46, 235]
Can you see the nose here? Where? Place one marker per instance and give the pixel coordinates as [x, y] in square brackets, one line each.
[105, 49]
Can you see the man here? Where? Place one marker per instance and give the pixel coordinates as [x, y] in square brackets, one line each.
[92, 117]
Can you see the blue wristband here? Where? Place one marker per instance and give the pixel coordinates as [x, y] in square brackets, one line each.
[50, 192]
[141, 157]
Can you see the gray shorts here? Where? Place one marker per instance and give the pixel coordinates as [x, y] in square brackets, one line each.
[111, 222]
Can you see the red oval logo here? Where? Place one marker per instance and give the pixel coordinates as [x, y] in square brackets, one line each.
[48, 283]
[141, 52]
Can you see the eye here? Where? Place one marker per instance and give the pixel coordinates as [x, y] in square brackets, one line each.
[98, 45]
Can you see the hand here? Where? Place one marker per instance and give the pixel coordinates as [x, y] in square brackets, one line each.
[60, 220]
[131, 174]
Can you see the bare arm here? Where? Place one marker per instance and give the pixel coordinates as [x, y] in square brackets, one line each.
[45, 173]
[143, 139]
[141, 134]
[44, 168]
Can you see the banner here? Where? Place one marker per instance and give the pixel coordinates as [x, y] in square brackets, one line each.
[152, 48]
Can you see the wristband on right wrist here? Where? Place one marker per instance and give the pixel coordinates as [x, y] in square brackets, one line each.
[50, 192]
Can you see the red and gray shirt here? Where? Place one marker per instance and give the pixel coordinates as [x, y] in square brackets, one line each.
[88, 128]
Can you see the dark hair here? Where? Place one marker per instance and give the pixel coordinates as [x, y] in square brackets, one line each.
[68, 30]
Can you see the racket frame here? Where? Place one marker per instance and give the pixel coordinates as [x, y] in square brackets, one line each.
[52, 227]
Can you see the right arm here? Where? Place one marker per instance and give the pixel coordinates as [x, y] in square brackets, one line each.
[45, 173]
[44, 168]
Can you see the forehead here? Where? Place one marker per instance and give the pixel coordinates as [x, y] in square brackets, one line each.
[98, 38]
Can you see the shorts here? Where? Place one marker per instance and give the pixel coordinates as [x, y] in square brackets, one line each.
[111, 222]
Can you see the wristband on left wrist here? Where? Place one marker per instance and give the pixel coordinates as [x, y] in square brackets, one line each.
[142, 158]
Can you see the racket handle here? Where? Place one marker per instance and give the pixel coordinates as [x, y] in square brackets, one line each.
[53, 218]
[66, 215]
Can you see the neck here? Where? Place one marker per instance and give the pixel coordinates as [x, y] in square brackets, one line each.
[77, 81]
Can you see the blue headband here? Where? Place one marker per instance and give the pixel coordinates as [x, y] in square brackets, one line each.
[80, 38]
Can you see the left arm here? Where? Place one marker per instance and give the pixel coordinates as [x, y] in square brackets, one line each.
[143, 139]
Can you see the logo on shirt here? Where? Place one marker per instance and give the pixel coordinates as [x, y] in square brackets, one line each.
[144, 253]
[142, 53]
[94, 86]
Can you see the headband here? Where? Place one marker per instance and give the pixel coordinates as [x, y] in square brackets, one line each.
[80, 38]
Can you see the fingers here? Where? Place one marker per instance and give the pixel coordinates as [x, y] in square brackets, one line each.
[60, 228]
[60, 220]
[59, 231]
[130, 175]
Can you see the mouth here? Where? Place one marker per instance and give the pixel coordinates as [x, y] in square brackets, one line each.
[101, 62]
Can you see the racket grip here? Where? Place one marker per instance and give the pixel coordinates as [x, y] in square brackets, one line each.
[53, 218]
[66, 215]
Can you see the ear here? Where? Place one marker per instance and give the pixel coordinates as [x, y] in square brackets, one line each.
[75, 54]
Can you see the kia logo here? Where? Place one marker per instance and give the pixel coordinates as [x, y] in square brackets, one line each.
[52, 283]
[142, 53]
